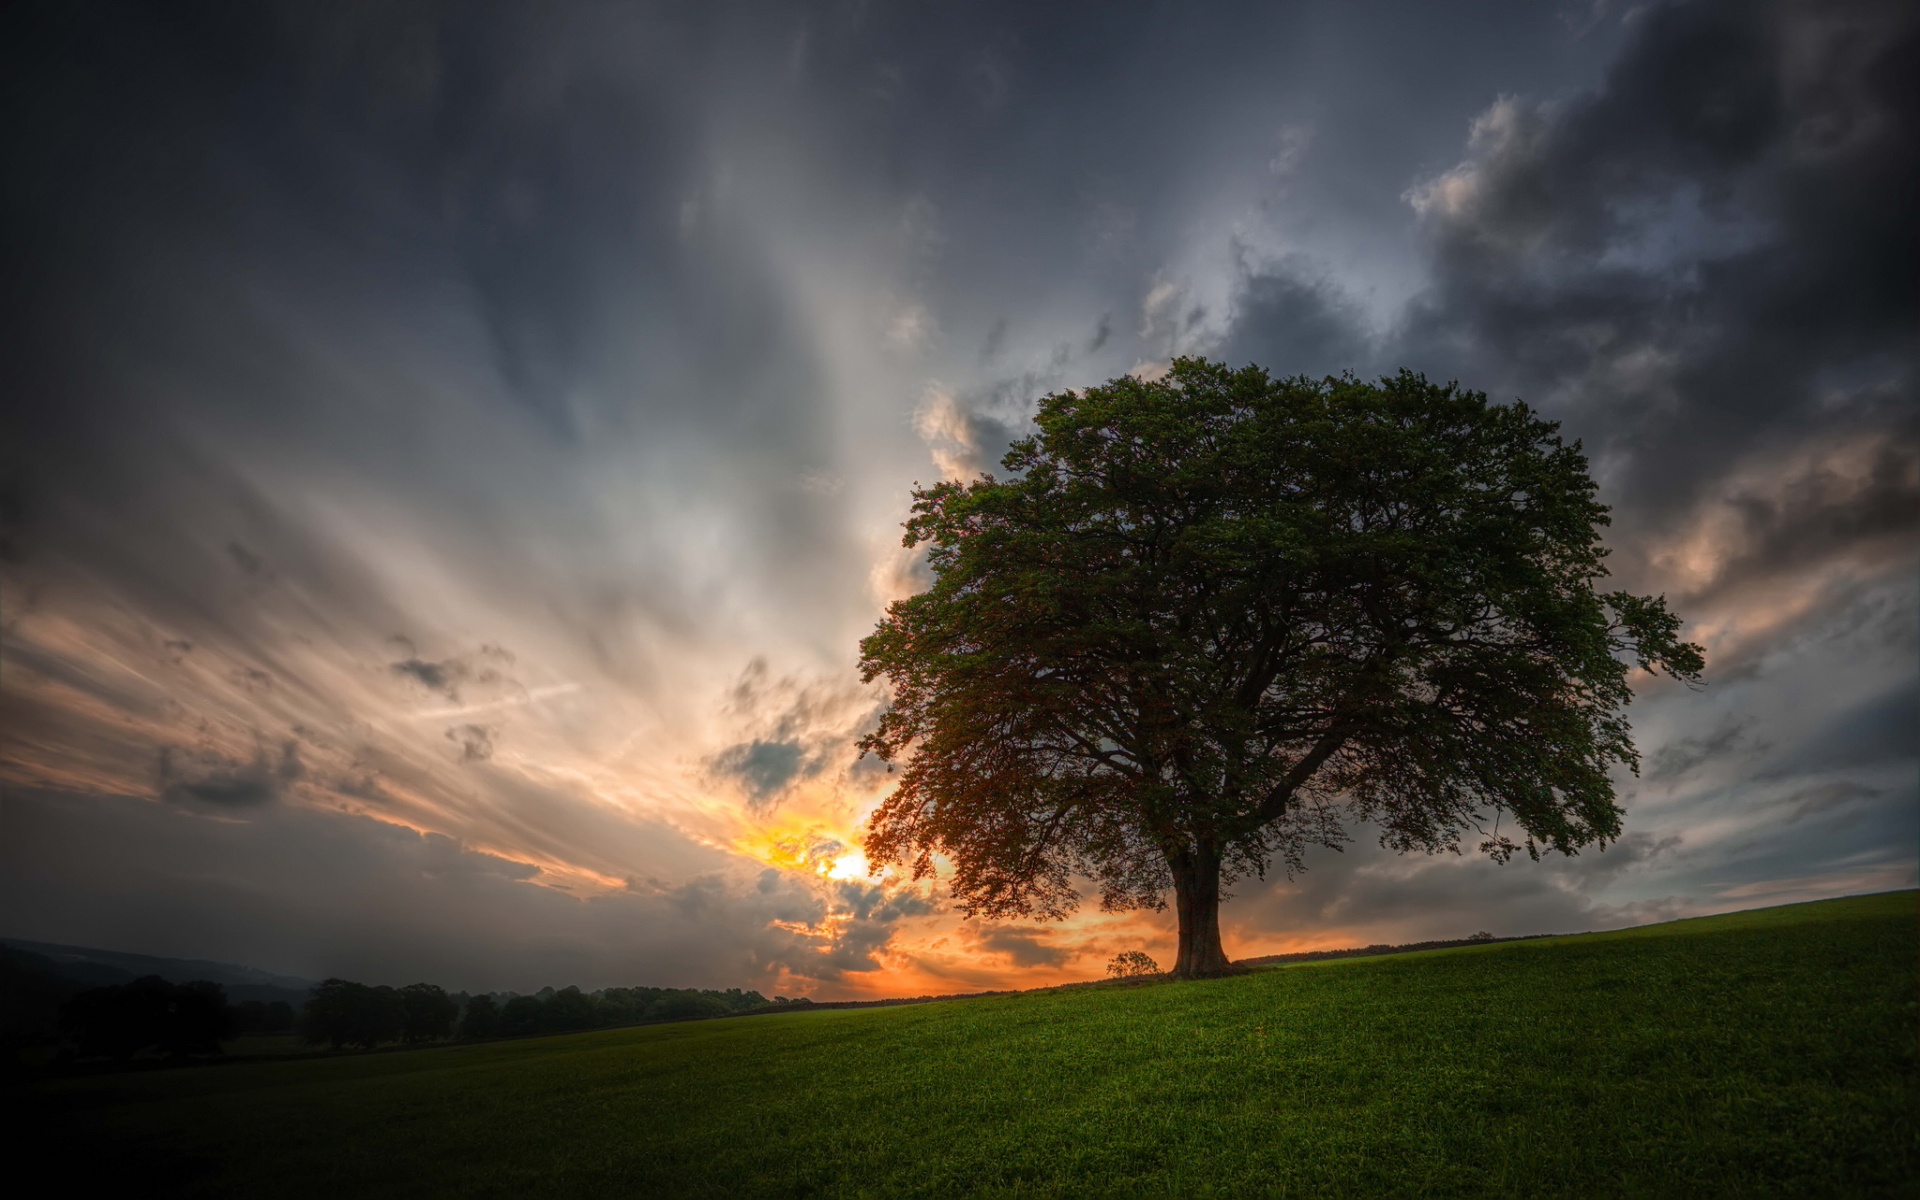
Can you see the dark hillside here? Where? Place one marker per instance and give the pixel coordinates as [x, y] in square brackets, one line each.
[87, 967]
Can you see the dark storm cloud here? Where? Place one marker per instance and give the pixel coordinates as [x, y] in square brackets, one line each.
[1815, 512]
[1880, 730]
[1709, 253]
[1294, 324]
[1703, 266]
[599, 330]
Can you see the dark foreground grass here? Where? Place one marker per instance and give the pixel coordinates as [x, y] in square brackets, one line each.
[1761, 1053]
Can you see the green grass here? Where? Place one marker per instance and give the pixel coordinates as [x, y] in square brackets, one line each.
[1761, 1053]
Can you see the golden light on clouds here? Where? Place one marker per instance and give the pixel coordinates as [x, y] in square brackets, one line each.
[465, 562]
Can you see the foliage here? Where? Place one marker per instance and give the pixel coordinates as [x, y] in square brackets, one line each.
[1767, 1053]
[149, 1013]
[342, 1013]
[1132, 962]
[1213, 618]
[426, 1013]
[570, 1010]
[481, 1019]
[261, 1016]
[193, 1018]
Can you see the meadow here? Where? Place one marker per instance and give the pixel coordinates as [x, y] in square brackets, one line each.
[1769, 1052]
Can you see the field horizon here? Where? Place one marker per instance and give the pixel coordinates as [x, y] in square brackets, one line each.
[1767, 1051]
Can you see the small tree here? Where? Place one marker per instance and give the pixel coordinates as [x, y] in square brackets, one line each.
[1213, 617]
[1132, 962]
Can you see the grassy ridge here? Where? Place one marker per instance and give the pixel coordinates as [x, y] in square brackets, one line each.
[1767, 1052]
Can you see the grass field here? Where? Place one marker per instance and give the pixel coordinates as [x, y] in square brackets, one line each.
[1769, 1052]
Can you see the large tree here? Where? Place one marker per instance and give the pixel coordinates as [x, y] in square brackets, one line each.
[1209, 620]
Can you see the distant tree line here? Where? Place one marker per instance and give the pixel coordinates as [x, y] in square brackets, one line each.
[569, 1009]
[343, 1013]
[151, 1014]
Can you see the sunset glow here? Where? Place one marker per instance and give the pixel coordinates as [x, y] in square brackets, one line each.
[450, 457]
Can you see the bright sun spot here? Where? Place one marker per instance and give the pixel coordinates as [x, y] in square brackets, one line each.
[848, 866]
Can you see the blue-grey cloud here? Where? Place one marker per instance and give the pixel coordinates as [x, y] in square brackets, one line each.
[765, 769]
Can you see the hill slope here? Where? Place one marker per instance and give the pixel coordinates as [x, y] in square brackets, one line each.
[89, 966]
[1768, 1052]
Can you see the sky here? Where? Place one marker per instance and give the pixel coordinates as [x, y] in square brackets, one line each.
[450, 453]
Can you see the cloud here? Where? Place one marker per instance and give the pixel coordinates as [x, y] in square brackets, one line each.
[1024, 946]
[765, 769]
[962, 441]
[320, 892]
[1826, 797]
[571, 333]
[1644, 258]
[1680, 758]
[800, 730]
[1851, 500]
[1292, 323]
[193, 776]
[436, 676]
[1878, 730]
[1640, 259]
[1367, 895]
[442, 856]
[475, 742]
[245, 559]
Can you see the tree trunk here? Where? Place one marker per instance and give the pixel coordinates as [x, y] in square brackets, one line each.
[1196, 900]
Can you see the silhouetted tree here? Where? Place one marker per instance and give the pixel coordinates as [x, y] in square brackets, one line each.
[261, 1016]
[149, 1013]
[1132, 962]
[1216, 616]
[198, 1019]
[520, 1016]
[481, 1018]
[343, 1013]
[426, 1012]
[568, 1009]
[688, 1005]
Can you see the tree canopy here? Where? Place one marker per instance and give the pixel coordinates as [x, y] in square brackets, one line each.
[121, 1020]
[1213, 619]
